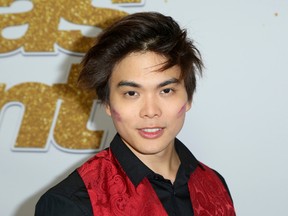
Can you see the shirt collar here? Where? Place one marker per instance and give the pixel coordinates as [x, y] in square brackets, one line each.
[136, 170]
[188, 161]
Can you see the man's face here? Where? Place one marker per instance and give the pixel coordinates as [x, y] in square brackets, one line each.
[147, 106]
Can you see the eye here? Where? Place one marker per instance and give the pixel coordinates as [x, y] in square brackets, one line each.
[131, 94]
[167, 91]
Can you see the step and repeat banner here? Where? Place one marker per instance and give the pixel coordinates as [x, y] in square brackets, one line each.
[238, 123]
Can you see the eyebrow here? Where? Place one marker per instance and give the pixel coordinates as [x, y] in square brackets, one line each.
[168, 82]
[129, 84]
[136, 85]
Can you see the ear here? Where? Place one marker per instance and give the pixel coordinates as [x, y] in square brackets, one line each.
[108, 109]
[188, 105]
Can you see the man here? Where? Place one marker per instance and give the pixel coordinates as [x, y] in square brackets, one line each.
[143, 69]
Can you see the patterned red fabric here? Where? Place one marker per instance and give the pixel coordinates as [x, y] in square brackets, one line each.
[112, 193]
[208, 195]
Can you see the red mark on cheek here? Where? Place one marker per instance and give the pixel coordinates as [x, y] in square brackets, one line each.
[182, 110]
[115, 115]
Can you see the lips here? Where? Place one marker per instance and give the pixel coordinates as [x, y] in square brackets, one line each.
[151, 133]
[151, 130]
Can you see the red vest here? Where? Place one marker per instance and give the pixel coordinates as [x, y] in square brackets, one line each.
[112, 193]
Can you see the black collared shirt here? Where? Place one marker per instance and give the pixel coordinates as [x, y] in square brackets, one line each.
[174, 197]
[70, 197]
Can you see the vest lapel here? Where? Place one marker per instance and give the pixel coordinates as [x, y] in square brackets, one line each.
[112, 193]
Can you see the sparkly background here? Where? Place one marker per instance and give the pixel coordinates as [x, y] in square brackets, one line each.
[39, 99]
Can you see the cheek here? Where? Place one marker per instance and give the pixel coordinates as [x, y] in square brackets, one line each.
[182, 111]
[115, 115]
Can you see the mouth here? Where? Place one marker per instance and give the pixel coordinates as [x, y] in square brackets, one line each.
[151, 133]
[151, 130]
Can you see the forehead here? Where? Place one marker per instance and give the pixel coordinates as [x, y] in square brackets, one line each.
[143, 65]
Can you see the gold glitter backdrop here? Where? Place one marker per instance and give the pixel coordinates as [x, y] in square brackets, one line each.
[39, 99]
[43, 21]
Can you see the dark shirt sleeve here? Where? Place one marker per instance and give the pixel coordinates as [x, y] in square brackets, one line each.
[68, 198]
[57, 205]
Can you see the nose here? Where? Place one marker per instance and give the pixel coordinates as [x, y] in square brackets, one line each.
[150, 108]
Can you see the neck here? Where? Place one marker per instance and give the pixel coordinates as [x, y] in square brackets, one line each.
[165, 163]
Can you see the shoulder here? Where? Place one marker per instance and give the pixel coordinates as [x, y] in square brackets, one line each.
[223, 182]
[103, 162]
[218, 176]
[206, 168]
[69, 197]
